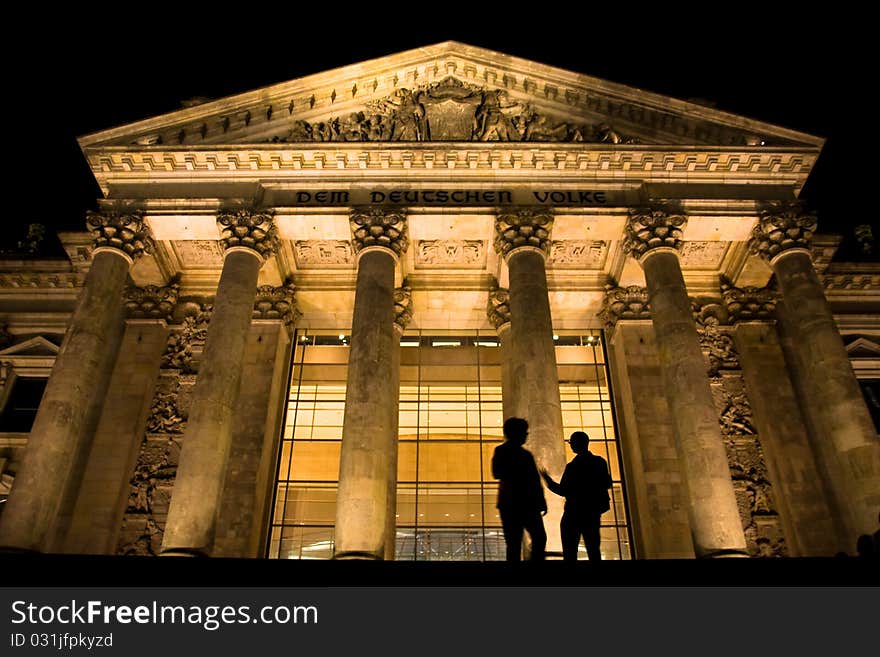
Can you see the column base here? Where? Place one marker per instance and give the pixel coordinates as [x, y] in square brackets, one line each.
[182, 552]
[11, 549]
[357, 556]
[725, 554]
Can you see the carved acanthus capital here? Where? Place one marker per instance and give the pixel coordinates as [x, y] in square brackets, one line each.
[151, 301]
[782, 226]
[248, 228]
[377, 226]
[498, 308]
[403, 307]
[745, 303]
[652, 228]
[278, 302]
[523, 227]
[629, 302]
[125, 231]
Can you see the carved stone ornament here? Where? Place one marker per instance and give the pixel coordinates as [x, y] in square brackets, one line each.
[461, 253]
[629, 302]
[854, 281]
[651, 228]
[151, 301]
[450, 110]
[276, 303]
[379, 227]
[745, 303]
[253, 229]
[192, 334]
[322, 253]
[403, 306]
[518, 227]
[715, 342]
[123, 231]
[498, 308]
[577, 254]
[782, 225]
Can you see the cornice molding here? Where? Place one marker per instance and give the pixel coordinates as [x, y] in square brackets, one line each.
[659, 163]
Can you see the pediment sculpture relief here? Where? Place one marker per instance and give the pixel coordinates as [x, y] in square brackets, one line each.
[450, 110]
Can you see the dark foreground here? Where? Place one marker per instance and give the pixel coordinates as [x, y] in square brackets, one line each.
[83, 570]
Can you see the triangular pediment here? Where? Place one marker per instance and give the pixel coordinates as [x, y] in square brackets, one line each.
[36, 346]
[448, 92]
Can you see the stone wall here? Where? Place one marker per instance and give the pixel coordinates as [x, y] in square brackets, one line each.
[256, 433]
[655, 487]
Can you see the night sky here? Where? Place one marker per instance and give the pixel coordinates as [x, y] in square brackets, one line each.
[76, 76]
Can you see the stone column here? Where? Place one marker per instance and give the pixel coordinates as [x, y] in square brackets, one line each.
[498, 312]
[248, 237]
[656, 489]
[244, 516]
[106, 484]
[402, 316]
[522, 236]
[799, 486]
[367, 462]
[783, 236]
[59, 442]
[653, 237]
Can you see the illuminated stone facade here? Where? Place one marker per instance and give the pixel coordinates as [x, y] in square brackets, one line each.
[446, 191]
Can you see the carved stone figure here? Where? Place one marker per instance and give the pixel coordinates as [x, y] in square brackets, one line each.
[449, 110]
[408, 119]
[490, 122]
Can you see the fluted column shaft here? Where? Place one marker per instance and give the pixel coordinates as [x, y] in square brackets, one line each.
[59, 435]
[653, 236]
[532, 348]
[833, 392]
[510, 373]
[59, 441]
[715, 522]
[207, 439]
[368, 458]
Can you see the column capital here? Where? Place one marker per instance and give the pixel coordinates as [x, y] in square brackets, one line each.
[151, 301]
[403, 307]
[248, 228]
[277, 302]
[498, 307]
[748, 303]
[379, 227]
[629, 302]
[652, 228]
[516, 228]
[124, 232]
[783, 227]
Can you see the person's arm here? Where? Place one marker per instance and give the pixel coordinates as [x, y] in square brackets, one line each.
[552, 485]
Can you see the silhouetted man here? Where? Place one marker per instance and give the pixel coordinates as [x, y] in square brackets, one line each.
[584, 484]
[520, 494]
